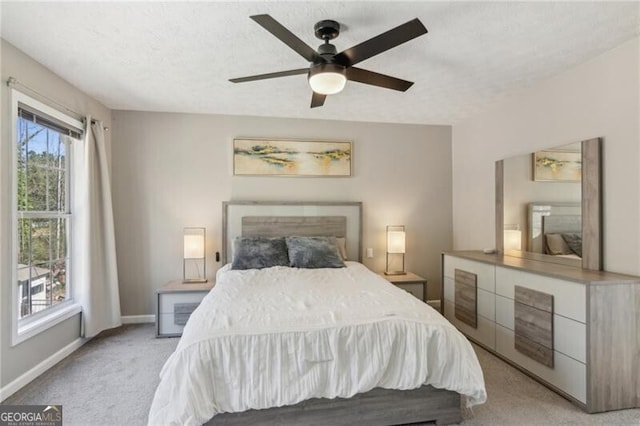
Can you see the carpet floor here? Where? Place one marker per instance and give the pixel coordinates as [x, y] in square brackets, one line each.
[111, 381]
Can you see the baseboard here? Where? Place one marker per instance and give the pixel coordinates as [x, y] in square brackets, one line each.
[26, 378]
[435, 304]
[138, 319]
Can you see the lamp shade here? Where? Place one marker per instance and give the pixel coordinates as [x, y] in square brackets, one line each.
[194, 262]
[327, 79]
[512, 239]
[395, 250]
[193, 246]
[395, 242]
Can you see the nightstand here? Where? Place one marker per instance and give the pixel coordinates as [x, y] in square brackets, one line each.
[408, 278]
[175, 302]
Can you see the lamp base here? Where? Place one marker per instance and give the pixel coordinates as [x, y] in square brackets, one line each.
[395, 273]
[194, 281]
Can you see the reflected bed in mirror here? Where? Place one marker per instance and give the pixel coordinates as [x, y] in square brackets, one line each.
[563, 228]
[555, 229]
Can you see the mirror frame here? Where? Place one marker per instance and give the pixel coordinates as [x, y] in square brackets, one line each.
[591, 207]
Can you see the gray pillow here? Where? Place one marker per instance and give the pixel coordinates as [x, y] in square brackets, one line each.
[574, 241]
[259, 253]
[314, 252]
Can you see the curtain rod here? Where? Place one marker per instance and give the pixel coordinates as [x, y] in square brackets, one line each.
[13, 82]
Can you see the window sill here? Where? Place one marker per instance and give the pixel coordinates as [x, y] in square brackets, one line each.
[28, 328]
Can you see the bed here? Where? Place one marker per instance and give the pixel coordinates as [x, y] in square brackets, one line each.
[563, 235]
[284, 345]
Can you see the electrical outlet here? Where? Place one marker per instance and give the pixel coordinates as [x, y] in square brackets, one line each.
[369, 253]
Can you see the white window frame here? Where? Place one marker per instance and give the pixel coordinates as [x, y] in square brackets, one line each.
[23, 329]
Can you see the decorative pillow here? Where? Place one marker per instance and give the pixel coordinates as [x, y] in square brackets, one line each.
[556, 245]
[341, 243]
[259, 252]
[313, 252]
[574, 241]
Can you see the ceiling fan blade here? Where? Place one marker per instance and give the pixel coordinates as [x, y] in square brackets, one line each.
[376, 79]
[381, 43]
[287, 37]
[270, 75]
[317, 100]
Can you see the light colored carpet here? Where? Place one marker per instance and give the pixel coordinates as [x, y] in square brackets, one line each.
[108, 381]
[516, 399]
[111, 381]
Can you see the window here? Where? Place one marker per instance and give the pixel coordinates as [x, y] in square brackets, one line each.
[43, 218]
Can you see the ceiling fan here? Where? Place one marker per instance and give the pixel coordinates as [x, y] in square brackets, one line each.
[329, 70]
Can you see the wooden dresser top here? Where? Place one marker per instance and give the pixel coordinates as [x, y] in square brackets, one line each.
[565, 272]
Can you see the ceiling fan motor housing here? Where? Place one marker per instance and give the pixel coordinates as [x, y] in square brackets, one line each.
[327, 50]
[328, 67]
[327, 29]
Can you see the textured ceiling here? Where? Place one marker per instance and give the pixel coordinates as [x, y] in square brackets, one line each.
[178, 56]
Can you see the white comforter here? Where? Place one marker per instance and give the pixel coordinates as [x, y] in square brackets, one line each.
[278, 336]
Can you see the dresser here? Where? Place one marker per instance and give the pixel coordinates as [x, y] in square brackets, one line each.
[575, 331]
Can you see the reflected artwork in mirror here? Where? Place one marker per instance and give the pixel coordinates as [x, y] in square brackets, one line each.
[548, 205]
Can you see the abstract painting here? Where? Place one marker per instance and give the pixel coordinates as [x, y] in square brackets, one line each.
[557, 166]
[256, 157]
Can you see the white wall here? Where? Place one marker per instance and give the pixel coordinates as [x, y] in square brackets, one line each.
[19, 359]
[597, 99]
[175, 170]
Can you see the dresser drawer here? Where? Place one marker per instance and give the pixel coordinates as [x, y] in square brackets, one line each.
[569, 336]
[167, 325]
[484, 272]
[569, 298]
[484, 333]
[568, 374]
[486, 301]
[167, 301]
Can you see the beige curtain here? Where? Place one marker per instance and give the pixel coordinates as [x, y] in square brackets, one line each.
[94, 265]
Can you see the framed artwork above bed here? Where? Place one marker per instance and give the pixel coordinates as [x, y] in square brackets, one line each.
[270, 157]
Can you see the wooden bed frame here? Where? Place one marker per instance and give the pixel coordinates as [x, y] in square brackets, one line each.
[376, 407]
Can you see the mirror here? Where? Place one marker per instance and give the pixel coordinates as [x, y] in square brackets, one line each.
[548, 205]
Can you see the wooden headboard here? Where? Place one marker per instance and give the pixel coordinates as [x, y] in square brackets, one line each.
[561, 224]
[284, 226]
[274, 219]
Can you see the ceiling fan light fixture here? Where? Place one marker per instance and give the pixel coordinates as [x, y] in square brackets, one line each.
[327, 79]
